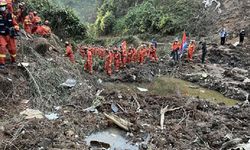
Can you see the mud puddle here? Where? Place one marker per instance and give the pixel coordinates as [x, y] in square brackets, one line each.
[166, 86]
[110, 139]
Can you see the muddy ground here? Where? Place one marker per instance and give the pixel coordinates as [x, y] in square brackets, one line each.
[190, 123]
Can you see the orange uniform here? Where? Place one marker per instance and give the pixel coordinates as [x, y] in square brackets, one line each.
[176, 46]
[7, 36]
[117, 61]
[10, 6]
[69, 53]
[191, 49]
[152, 54]
[82, 52]
[108, 63]
[130, 54]
[142, 54]
[27, 24]
[124, 57]
[43, 30]
[134, 55]
[89, 62]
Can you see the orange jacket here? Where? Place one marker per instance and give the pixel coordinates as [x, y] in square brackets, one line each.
[191, 47]
[36, 19]
[43, 30]
[176, 46]
[89, 57]
[69, 50]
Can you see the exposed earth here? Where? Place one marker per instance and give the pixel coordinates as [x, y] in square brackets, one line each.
[191, 122]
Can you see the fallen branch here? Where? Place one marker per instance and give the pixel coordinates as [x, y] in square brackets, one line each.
[119, 121]
[162, 112]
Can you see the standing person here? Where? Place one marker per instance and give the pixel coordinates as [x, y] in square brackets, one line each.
[175, 48]
[242, 36]
[69, 52]
[142, 50]
[117, 60]
[154, 42]
[204, 51]
[27, 23]
[108, 62]
[88, 64]
[223, 35]
[134, 55]
[191, 49]
[130, 54]
[153, 55]
[8, 29]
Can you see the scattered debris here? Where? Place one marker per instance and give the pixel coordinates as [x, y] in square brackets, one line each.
[52, 116]
[119, 121]
[114, 108]
[23, 64]
[31, 113]
[142, 89]
[69, 83]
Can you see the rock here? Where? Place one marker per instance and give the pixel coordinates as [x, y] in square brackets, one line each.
[6, 86]
[69, 133]
[69, 83]
[31, 113]
[247, 80]
[2, 128]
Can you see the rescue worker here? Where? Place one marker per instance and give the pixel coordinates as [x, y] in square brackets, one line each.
[10, 6]
[154, 42]
[69, 52]
[43, 30]
[117, 60]
[88, 63]
[191, 49]
[242, 36]
[27, 23]
[204, 51]
[82, 51]
[142, 53]
[36, 20]
[21, 13]
[175, 48]
[108, 62]
[223, 35]
[124, 55]
[8, 31]
[130, 54]
[134, 55]
[153, 56]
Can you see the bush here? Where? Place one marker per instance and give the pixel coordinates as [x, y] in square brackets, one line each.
[64, 22]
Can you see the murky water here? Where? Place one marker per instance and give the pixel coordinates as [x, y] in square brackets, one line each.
[166, 86]
[110, 139]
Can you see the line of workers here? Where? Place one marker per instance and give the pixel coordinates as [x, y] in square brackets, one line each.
[10, 19]
[118, 57]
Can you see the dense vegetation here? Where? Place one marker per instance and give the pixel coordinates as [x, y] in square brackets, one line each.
[145, 16]
[117, 17]
[63, 21]
[84, 9]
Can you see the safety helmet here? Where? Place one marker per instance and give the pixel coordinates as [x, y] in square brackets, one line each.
[3, 3]
[46, 22]
[35, 12]
[67, 43]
